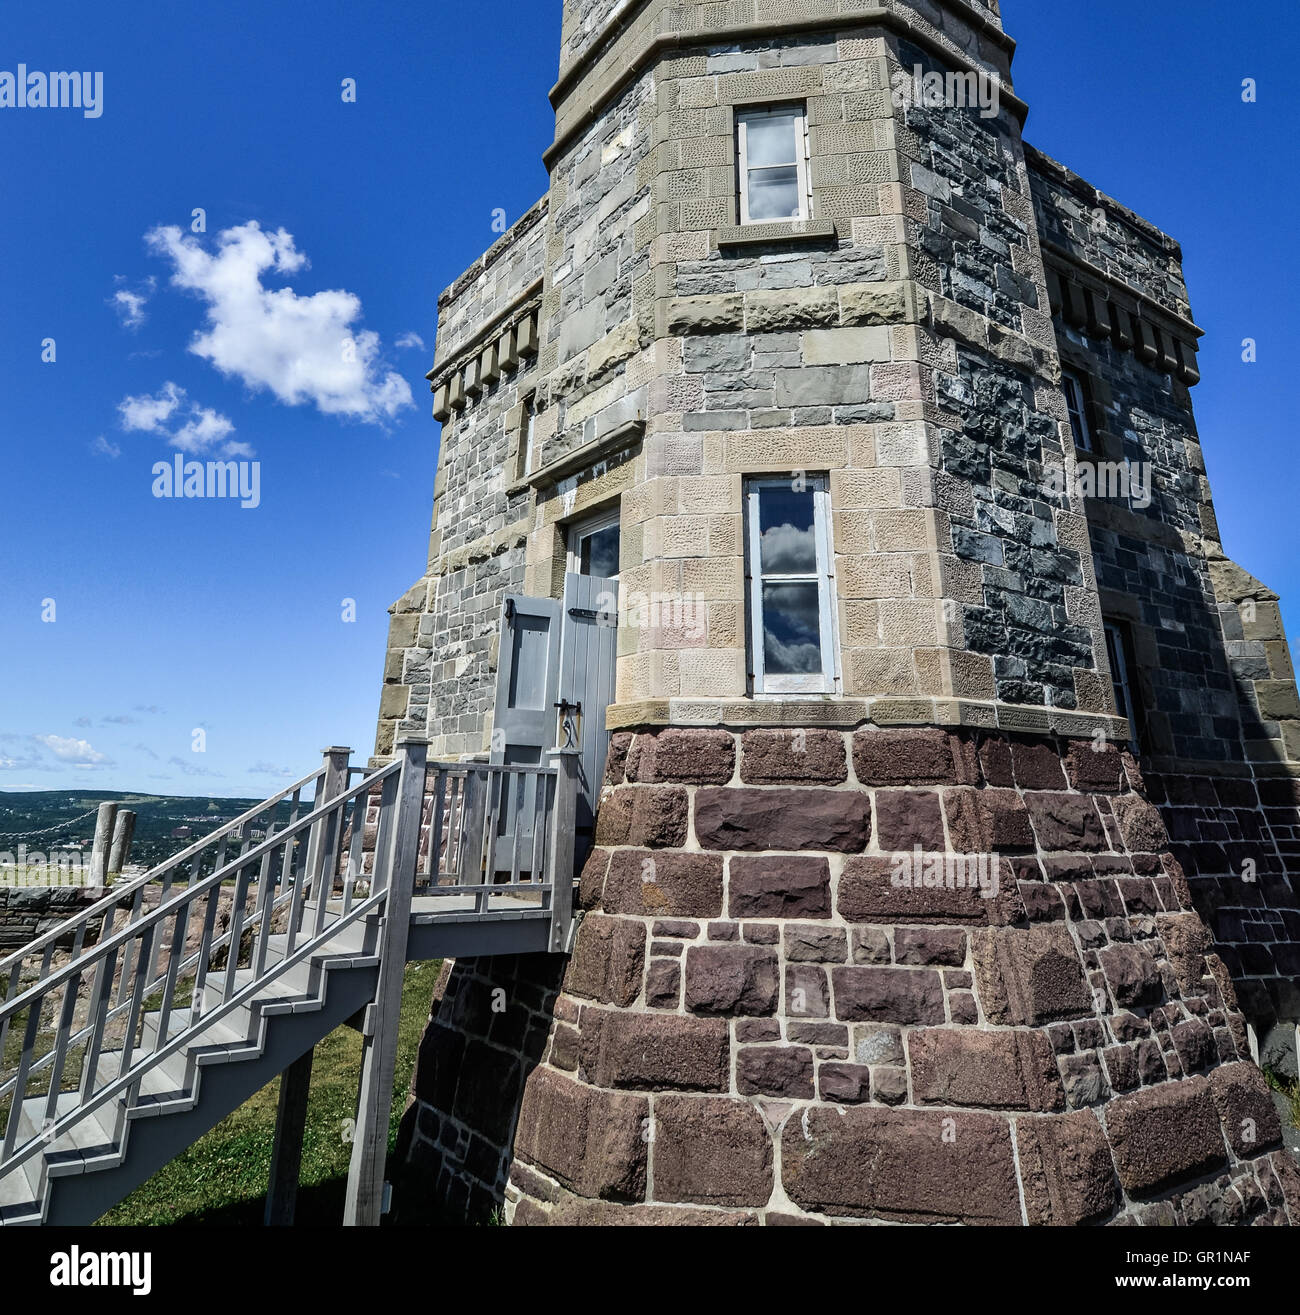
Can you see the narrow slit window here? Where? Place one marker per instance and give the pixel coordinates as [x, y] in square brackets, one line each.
[1076, 405]
[526, 455]
[1119, 651]
[791, 586]
[772, 150]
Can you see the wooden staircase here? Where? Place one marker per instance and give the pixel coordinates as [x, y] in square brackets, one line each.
[134, 1027]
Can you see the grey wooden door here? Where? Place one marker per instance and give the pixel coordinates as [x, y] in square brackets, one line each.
[523, 730]
[588, 653]
[555, 678]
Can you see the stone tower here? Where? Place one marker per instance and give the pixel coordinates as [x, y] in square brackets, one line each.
[945, 862]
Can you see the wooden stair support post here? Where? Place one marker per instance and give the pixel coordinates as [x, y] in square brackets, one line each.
[286, 1153]
[562, 841]
[295, 1081]
[396, 868]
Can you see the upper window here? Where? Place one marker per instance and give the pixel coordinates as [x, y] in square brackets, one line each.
[791, 589]
[772, 149]
[1076, 404]
[594, 546]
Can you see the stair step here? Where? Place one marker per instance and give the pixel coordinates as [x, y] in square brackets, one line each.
[20, 1193]
[90, 1141]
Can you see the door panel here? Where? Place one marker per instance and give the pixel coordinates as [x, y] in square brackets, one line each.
[528, 688]
[588, 652]
[554, 653]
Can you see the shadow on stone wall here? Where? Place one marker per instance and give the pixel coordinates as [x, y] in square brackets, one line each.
[490, 1021]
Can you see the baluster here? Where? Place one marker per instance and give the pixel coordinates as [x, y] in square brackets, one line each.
[436, 827]
[356, 849]
[237, 912]
[61, 1035]
[492, 824]
[97, 1019]
[205, 953]
[180, 925]
[24, 1068]
[10, 992]
[168, 879]
[137, 998]
[128, 951]
[328, 866]
[264, 904]
[515, 783]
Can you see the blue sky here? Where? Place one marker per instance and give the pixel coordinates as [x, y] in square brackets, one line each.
[331, 223]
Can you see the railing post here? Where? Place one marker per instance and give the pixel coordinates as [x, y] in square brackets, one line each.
[103, 843]
[564, 822]
[322, 847]
[399, 860]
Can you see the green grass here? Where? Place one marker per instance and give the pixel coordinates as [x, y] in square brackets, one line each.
[221, 1179]
[1290, 1090]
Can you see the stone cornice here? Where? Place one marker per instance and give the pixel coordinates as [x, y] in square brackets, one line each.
[575, 68]
[847, 713]
[1065, 259]
[735, 33]
[473, 345]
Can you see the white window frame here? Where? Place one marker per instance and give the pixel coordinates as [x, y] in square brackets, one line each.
[1077, 405]
[827, 681]
[583, 529]
[743, 118]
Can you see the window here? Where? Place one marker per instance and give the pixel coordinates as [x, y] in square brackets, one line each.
[772, 150]
[526, 448]
[1076, 404]
[594, 546]
[1121, 673]
[791, 586]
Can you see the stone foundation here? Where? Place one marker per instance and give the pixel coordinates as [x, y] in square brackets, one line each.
[767, 1020]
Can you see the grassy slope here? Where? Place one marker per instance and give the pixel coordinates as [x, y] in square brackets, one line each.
[221, 1179]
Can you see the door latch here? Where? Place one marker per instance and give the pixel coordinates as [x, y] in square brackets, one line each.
[569, 715]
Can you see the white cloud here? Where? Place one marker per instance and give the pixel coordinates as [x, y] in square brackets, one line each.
[196, 428]
[270, 769]
[70, 750]
[151, 414]
[101, 447]
[205, 429]
[130, 305]
[410, 339]
[302, 349]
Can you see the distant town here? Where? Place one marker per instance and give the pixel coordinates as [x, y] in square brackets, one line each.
[165, 824]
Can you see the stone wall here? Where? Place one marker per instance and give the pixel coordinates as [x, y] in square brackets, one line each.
[27, 912]
[439, 671]
[761, 1022]
[1213, 675]
[754, 1008]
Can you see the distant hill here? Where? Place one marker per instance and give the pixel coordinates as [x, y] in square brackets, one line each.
[24, 814]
